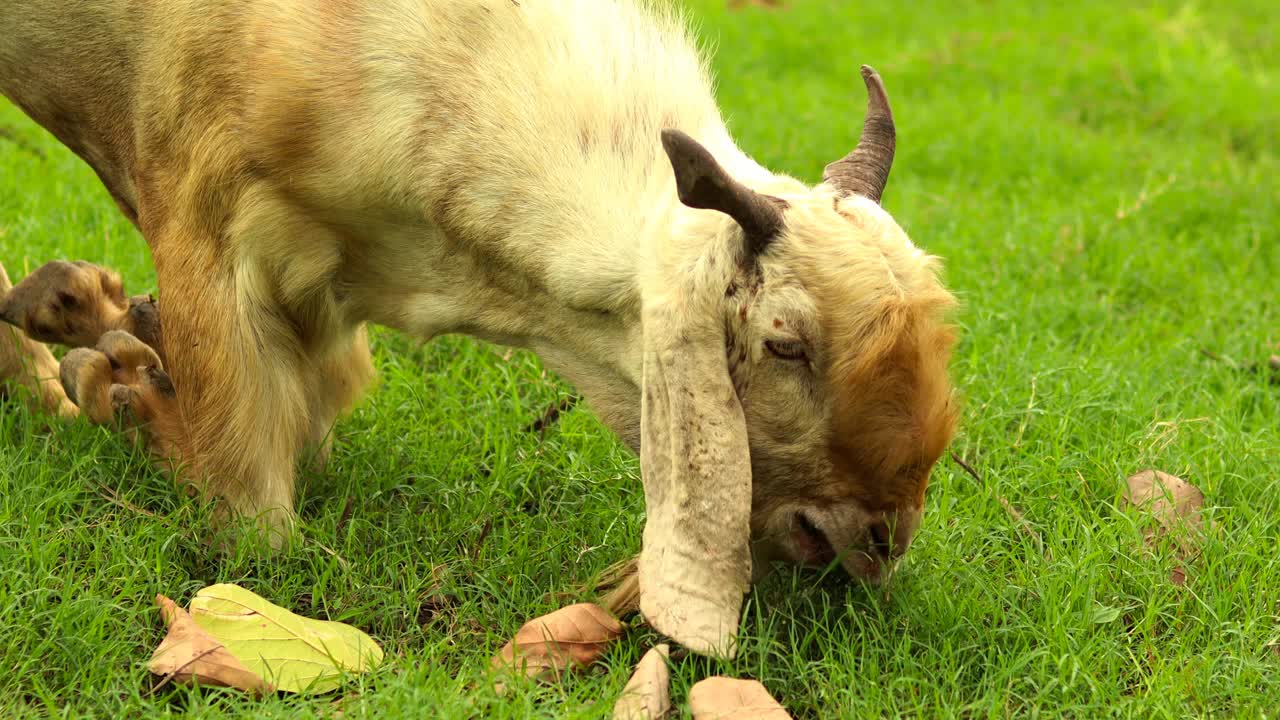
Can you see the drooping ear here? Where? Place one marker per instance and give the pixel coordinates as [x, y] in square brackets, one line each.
[702, 183]
[695, 565]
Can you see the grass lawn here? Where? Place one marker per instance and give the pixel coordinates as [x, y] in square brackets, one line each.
[1102, 180]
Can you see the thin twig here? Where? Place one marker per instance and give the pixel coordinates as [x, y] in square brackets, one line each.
[1026, 527]
[345, 565]
[1271, 367]
[1022, 520]
[552, 414]
[114, 498]
[22, 144]
[485, 529]
[967, 467]
[1031, 403]
[344, 517]
[1144, 197]
[1219, 358]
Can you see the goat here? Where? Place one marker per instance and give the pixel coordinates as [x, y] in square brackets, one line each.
[549, 175]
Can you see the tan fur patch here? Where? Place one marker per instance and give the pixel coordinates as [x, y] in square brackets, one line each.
[883, 311]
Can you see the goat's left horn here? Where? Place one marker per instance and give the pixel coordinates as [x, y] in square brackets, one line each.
[866, 170]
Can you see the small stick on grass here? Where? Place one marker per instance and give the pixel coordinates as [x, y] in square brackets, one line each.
[113, 497]
[1024, 525]
[1271, 367]
[1031, 404]
[21, 143]
[967, 467]
[344, 517]
[334, 554]
[1017, 515]
[552, 414]
[485, 529]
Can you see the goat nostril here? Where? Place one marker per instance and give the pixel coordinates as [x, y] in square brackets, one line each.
[881, 540]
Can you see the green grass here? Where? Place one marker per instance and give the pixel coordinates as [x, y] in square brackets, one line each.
[1102, 181]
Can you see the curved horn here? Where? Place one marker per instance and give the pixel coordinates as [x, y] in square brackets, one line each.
[866, 170]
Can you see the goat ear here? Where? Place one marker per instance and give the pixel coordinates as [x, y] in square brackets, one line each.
[702, 183]
[696, 564]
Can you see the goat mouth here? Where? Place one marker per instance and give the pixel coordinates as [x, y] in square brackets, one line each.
[810, 544]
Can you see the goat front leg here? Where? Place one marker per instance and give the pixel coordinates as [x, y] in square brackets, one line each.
[242, 380]
[76, 303]
[28, 364]
[341, 379]
[122, 381]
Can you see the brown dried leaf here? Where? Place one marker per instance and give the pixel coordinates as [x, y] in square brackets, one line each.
[647, 695]
[570, 638]
[722, 698]
[190, 655]
[739, 4]
[1172, 502]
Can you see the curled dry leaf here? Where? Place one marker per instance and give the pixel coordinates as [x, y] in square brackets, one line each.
[1174, 505]
[722, 698]
[1172, 502]
[189, 655]
[647, 695]
[570, 638]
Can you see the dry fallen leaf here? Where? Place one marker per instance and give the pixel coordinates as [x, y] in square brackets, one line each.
[647, 695]
[294, 653]
[1173, 502]
[722, 698]
[189, 655]
[570, 638]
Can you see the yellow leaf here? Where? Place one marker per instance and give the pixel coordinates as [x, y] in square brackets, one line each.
[293, 653]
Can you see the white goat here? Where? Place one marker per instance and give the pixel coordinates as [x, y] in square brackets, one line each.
[775, 353]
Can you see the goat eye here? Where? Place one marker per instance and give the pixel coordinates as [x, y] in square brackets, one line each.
[786, 349]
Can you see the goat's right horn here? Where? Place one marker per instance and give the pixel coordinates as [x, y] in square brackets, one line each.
[865, 171]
